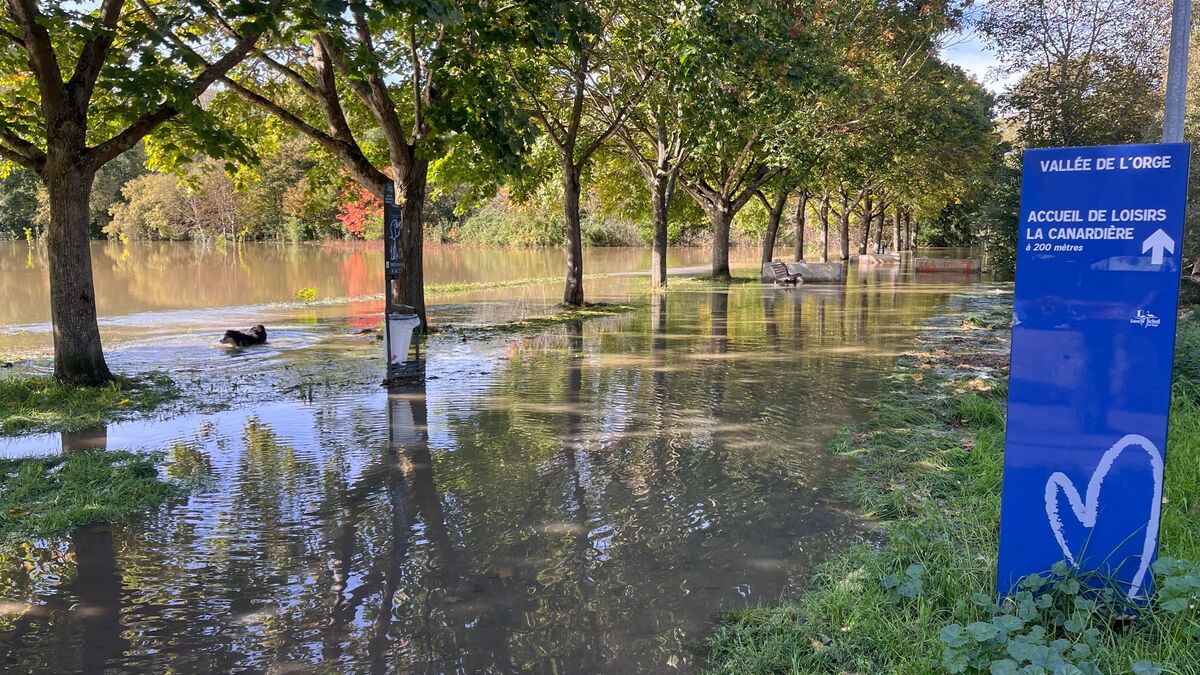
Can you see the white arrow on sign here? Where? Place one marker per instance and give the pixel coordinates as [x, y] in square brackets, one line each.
[1157, 243]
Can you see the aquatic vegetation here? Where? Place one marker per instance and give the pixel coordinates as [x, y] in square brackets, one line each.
[306, 294]
[535, 324]
[708, 281]
[41, 403]
[47, 496]
[468, 287]
[924, 601]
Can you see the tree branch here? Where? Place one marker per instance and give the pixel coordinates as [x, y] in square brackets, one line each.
[135, 132]
[617, 120]
[94, 53]
[12, 38]
[18, 158]
[327, 91]
[289, 73]
[35, 39]
[288, 117]
[418, 129]
[373, 94]
[345, 150]
[21, 146]
[763, 175]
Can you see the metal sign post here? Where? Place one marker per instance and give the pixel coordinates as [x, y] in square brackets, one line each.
[1094, 312]
[1177, 66]
[400, 321]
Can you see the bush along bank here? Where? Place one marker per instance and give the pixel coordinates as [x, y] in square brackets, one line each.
[925, 601]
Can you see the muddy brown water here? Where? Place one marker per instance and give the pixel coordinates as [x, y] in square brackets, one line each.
[584, 499]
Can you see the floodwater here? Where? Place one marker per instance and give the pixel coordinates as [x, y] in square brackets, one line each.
[584, 499]
[149, 293]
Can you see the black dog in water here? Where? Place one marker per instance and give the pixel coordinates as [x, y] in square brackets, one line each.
[245, 338]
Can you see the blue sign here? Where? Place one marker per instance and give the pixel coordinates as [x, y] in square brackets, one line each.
[392, 228]
[1093, 341]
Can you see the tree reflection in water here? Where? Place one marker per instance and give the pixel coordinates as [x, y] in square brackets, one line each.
[590, 503]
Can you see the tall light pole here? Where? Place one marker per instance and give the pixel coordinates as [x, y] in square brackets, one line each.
[1177, 67]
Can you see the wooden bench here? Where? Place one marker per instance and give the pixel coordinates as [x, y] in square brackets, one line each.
[783, 276]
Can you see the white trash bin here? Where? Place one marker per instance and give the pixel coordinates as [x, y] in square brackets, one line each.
[400, 328]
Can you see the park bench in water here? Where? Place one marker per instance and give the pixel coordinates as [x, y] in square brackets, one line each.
[782, 276]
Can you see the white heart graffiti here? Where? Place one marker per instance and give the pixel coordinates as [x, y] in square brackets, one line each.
[1086, 511]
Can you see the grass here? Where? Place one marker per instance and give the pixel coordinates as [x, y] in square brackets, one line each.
[49, 496]
[930, 469]
[536, 324]
[42, 404]
[708, 281]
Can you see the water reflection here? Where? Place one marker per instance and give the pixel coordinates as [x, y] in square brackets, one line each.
[582, 500]
[95, 438]
[165, 298]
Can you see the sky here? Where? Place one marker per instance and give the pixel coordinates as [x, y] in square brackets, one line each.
[970, 53]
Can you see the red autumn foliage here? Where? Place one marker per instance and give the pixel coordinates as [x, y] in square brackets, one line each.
[358, 207]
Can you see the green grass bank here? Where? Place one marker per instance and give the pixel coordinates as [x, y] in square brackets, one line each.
[923, 601]
[47, 496]
[42, 404]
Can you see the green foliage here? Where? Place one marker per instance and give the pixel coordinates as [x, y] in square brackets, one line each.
[1055, 623]
[539, 221]
[1178, 589]
[617, 192]
[1052, 624]
[306, 294]
[108, 189]
[1000, 216]
[291, 197]
[42, 497]
[140, 70]
[18, 203]
[42, 404]
[504, 223]
[154, 207]
[908, 585]
[1107, 89]
[980, 411]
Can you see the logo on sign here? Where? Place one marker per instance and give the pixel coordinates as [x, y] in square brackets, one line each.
[1146, 319]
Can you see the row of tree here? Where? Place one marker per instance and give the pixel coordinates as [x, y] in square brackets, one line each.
[844, 105]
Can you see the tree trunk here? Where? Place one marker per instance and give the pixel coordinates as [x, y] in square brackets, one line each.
[721, 218]
[411, 191]
[879, 228]
[768, 242]
[801, 217]
[844, 227]
[910, 240]
[896, 230]
[823, 214]
[98, 586]
[868, 213]
[774, 217]
[78, 355]
[573, 291]
[660, 194]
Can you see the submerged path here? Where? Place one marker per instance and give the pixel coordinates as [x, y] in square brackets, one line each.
[587, 498]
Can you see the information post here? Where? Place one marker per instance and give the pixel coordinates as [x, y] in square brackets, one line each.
[1094, 312]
